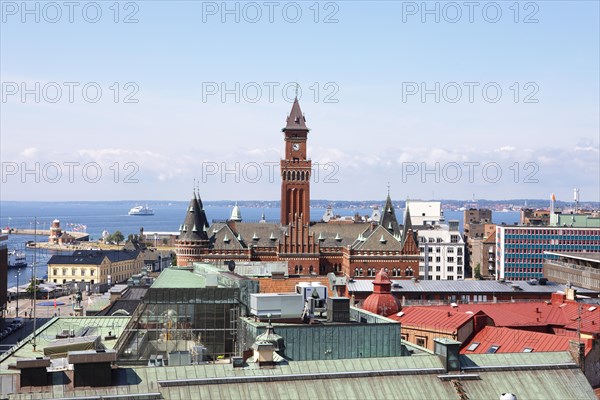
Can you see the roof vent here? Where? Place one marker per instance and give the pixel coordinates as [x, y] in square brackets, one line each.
[337, 237]
[254, 237]
[272, 237]
[226, 239]
[382, 240]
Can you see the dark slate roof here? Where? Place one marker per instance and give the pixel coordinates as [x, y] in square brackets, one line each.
[348, 233]
[380, 239]
[296, 120]
[246, 234]
[94, 257]
[195, 224]
[388, 218]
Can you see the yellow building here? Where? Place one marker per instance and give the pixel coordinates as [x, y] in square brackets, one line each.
[95, 266]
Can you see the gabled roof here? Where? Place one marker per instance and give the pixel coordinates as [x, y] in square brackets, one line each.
[552, 314]
[338, 235]
[380, 239]
[428, 318]
[252, 234]
[224, 238]
[517, 341]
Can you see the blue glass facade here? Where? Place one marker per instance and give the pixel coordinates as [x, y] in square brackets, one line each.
[520, 250]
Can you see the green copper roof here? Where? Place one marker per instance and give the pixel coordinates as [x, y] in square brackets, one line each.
[173, 278]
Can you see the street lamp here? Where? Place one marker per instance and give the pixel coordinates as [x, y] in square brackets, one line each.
[17, 307]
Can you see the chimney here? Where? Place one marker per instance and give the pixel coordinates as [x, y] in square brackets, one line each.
[570, 293]
[231, 225]
[557, 298]
[577, 351]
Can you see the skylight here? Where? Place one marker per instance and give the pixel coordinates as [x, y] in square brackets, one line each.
[473, 346]
[527, 350]
[493, 349]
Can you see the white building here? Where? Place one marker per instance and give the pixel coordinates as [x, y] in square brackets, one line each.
[425, 212]
[442, 252]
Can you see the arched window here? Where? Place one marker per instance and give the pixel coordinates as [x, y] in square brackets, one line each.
[289, 175]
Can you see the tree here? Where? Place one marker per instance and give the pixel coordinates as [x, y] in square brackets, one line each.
[30, 287]
[116, 237]
[174, 260]
[477, 273]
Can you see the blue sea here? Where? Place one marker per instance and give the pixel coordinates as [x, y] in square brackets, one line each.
[95, 217]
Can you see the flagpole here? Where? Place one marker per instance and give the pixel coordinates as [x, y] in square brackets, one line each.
[33, 273]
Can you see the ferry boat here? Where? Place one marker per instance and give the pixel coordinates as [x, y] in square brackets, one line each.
[16, 259]
[141, 210]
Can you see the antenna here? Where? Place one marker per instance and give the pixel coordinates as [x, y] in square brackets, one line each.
[297, 86]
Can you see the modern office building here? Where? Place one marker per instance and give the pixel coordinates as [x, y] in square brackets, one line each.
[520, 250]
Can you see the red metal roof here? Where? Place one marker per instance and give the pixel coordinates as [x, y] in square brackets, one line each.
[539, 313]
[517, 341]
[429, 318]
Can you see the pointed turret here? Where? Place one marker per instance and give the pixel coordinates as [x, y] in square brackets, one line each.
[388, 217]
[408, 227]
[195, 222]
[296, 120]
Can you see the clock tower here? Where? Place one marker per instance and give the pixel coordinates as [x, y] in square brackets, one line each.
[295, 170]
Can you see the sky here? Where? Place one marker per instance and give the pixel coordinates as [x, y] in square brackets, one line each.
[439, 100]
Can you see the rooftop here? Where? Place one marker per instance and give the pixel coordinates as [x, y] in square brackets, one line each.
[46, 334]
[517, 341]
[592, 257]
[93, 257]
[464, 286]
[178, 278]
[526, 375]
[535, 313]
[442, 320]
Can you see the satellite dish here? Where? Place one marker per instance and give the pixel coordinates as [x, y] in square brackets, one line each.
[231, 265]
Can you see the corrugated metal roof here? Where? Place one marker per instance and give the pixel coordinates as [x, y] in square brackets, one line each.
[462, 286]
[425, 317]
[539, 313]
[415, 383]
[516, 341]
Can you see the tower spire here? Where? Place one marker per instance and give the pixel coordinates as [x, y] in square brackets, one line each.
[296, 120]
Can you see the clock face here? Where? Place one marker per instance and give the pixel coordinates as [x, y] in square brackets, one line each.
[296, 146]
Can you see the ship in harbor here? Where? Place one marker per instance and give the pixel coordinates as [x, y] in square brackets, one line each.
[141, 210]
[16, 259]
